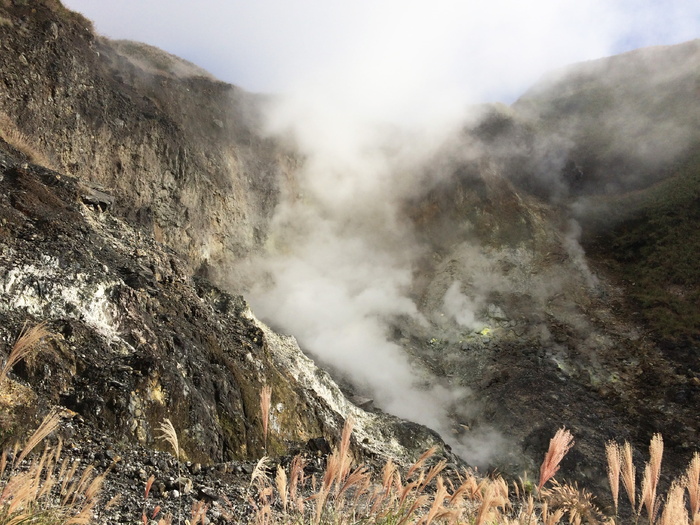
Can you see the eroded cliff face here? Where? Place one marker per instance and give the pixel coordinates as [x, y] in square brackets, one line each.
[158, 172]
[137, 340]
[181, 152]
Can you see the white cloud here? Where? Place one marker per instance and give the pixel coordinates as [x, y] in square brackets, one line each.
[437, 49]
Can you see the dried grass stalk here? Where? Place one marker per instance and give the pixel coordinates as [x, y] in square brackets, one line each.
[296, 476]
[421, 460]
[647, 496]
[629, 473]
[656, 452]
[434, 471]
[344, 451]
[650, 481]
[282, 489]
[168, 434]
[48, 425]
[441, 494]
[674, 511]
[559, 445]
[149, 484]
[487, 502]
[265, 404]
[612, 452]
[259, 475]
[23, 347]
[692, 477]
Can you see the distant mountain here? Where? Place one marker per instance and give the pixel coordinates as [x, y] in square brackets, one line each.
[624, 120]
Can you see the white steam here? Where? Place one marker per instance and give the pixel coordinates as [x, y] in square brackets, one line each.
[342, 256]
[460, 307]
[342, 268]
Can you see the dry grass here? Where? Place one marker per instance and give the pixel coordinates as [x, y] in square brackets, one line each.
[265, 404]
[421, 495]
[24, 346]
[629, 473]
[48, 425]
[168, 434]
[650, 480]
[559, 445]
[614, 457]
[674, 510]
[692, 484]
[574, 502]
[47, 491]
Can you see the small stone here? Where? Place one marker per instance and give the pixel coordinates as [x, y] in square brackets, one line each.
[184, 484]
[207, 493]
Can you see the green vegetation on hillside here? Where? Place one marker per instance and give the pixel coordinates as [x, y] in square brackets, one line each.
[653, 245]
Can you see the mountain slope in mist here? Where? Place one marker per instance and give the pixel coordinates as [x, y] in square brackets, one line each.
[571, 235]
[623, 120]
[465, 265]
[631, 170]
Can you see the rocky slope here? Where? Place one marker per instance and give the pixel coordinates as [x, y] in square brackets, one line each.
[180, 151]
[126, 172]
[572, 229]
[136, 340]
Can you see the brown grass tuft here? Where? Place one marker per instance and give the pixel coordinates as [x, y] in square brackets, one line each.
[650, 481]
[23, 347]
[259, 476]
[48, 425]
[265, 404]
[559, 445]
[169, 435]
[612, 452]
[421, 460]
[692, 479]
[282, 488]
[629, 473]
[574, 501]
[31, 495]
[674, 511]
[343, 495]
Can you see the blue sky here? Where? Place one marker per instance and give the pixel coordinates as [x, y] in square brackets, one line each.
[395, 52]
